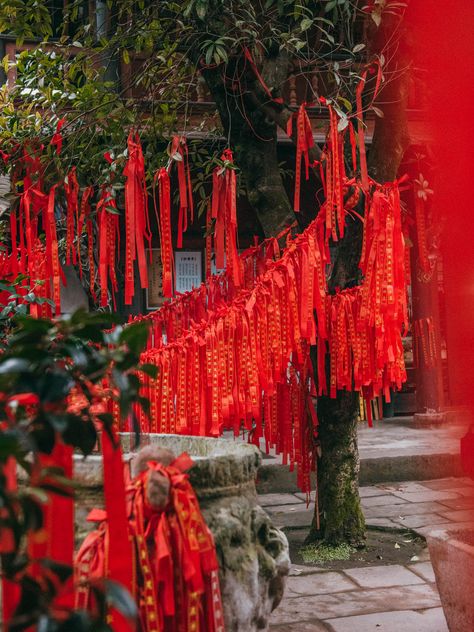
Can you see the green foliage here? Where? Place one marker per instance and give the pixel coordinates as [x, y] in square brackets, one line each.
[52, 386]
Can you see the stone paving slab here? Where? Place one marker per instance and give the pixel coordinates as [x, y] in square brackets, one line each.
[420, 520]
[372, 490]
[272, 500]
[357, 602]
[383, 576]
[386, 499]
[424, 570]
[449, 483]
[461, 503]
[390, 598]
[303, 626]
[431, 620]
[407, 509]
[459, 516]
[320, 584]
[426, 496]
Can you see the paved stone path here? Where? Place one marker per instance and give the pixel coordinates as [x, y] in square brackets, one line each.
[378, 598]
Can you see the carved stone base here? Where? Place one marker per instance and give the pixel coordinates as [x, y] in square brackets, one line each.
[253, 554]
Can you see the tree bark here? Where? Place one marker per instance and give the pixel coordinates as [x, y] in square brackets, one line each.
[250, 121]
[253, 139]
[341, 517]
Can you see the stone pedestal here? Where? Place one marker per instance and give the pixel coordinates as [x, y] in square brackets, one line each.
[253, 554]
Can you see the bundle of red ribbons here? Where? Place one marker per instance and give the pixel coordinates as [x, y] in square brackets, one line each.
[239, 354]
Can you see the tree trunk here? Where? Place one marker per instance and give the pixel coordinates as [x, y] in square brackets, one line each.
[341, 517]
[252, 131]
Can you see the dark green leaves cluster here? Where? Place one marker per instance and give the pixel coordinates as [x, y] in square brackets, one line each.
[42, 363]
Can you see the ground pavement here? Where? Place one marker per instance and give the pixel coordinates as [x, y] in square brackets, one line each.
[372, 598]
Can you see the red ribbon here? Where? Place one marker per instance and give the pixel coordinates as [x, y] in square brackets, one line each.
[179, 153]
[119, 559]
[137, 225]
[360, 131]
[108, 244]
[164, 226]
[224, 211]
[71, 188]
[304, 142]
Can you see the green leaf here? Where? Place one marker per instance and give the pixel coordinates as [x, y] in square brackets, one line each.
[135, 336]
[149, 369]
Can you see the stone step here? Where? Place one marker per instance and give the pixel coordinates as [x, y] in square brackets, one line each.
[273, 477]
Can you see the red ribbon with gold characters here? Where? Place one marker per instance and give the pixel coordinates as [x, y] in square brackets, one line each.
[175, 580]
[108, 244]
[137, 224]
[71, 188]
[304, 142]
[179, 154]
[224, 212]
[164, 226]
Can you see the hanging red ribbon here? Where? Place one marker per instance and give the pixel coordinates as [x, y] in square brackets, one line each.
[108, 244]
[85, 217]
[137, 225]
[57, 139]
[224, 212]
[360, 131]
[335, 179]
[179, 154]
[71, 188]
[10, 590]
[120, 558]
[164, 226]
[52, 251]
[304, 142]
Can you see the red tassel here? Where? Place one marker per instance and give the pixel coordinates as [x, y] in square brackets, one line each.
[137, 225]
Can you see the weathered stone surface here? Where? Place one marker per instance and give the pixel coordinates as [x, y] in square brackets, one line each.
[301, 626]
[420, 520]
[424, 570]
[431, 620]
[274, 500]
[253, 554]
[373, 501]
[356, 602]
[449, 483]
[406, 509]
[383, 576]
[366, 492]
[460, 503]
[426, 496]
[319, 584]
